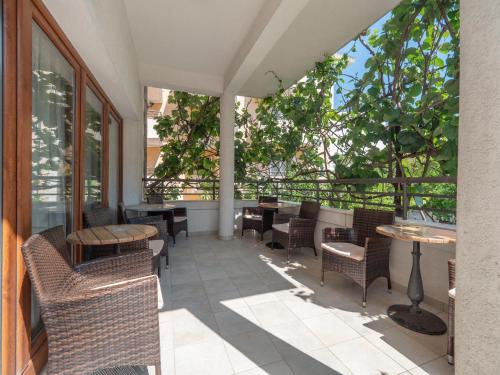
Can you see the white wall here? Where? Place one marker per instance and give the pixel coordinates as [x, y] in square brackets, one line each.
[133, 156]
[478, 211]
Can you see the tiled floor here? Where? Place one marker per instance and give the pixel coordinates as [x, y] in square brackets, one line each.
[235, 307]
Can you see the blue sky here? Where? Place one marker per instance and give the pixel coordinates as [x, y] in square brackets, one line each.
[357, 67]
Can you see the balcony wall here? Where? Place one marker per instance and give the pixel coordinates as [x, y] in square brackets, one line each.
[203, 218]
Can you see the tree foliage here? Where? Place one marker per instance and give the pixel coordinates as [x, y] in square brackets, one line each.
[398, 118]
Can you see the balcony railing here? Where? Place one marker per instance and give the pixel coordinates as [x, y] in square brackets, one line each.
[431, 198]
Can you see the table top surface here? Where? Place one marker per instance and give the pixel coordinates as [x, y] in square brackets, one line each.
[275, 205]
[418, 233]
[112, 234]
[145, 207]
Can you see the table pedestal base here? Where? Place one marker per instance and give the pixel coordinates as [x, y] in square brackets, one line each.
[423, 321]
[276, 245]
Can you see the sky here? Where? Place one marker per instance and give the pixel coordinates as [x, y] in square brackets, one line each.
[358, 58]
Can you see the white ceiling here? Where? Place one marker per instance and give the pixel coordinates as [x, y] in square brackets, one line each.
[207, 46]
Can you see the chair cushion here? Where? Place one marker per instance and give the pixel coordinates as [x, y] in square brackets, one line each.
[253, 217]
[178, 219]
[285, 227]
[345, 249]
[451, 293]
[156, 246]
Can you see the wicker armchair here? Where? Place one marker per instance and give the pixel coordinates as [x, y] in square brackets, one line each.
[293, 231]
[451, 312]
[159, 244]
[122, 214]
[97, 217]
[257, 218]
[154, 199]
[177, 221]
[101, 314]
[359, 252]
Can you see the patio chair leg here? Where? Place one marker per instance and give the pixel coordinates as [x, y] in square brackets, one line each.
[288, 255]
[322, 283]
[174, 239]
[364, 297]
[389, 285]
[315, 252]
[262, 236]
[159, 271]
[166, 261]
[187, 233]
[242, 230]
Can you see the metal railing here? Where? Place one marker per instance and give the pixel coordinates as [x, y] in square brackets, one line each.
[431, 198]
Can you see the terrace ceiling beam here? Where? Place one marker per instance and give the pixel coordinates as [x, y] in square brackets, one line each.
[272, 22]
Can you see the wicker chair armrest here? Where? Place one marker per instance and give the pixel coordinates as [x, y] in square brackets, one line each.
[137, 262]
[375, 245]
[137, 294]
[282, 218]
[252, 211]
[337, 234]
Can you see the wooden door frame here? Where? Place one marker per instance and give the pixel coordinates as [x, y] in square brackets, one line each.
[21, 354]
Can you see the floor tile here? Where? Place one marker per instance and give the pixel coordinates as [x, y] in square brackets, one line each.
[317, 362]
[250, 349]
[206, 357]
[231, 322]
[273, 313]
[363, 358]
[437, 367]
[294, 338]
[405, 350]
[330, 329]
[278, 368]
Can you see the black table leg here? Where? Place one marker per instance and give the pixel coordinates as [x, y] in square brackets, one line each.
[412, 316]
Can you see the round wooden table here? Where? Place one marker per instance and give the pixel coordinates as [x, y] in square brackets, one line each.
[151, 207]
[412, 316]
[111, 235]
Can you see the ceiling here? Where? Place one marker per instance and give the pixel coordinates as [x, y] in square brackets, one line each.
[207, 46]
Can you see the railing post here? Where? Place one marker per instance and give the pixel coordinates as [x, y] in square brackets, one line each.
[213, 190]
[317, 191]
[257, 188]
[405, 201]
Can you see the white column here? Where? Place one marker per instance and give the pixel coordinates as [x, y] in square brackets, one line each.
[226, 153]
[477, 318]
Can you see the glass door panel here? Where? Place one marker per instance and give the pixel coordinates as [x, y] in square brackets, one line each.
[114, 166]
[93, 150]
[53, 108]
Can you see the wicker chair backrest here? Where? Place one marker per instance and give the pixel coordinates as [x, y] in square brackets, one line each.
[365, 222]
[451, 273]
[267, 199]
[309, 210]
[148, 220]
[47, 260]
[122, 213]
[155, 199]
[96, 217]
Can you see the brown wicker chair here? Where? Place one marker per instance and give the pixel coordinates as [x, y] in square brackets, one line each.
[359, 252]
[293, 231]
[101, 314]
[257, 218]
[122, 214]
[159, 244]
[97, 217]
[177, 221]
[451, 312]
[154, 199]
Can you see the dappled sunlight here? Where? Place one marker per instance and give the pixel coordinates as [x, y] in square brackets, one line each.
[246, 309]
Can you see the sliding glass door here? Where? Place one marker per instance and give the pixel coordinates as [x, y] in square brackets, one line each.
[53, 116]
[93, 149]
